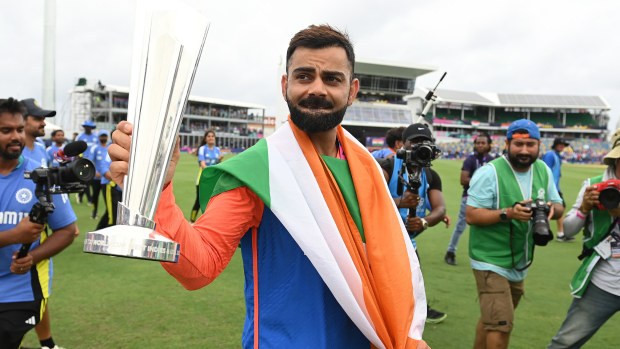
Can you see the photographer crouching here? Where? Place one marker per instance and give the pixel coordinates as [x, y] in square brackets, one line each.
[25, 282]
[596, 284]
[510, 202]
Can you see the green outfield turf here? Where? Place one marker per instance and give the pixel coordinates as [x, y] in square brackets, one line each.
[107, 302]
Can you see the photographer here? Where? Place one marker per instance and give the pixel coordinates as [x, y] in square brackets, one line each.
[501, 240]
[25, 283]
[393, 140]
[596, 284]
[428, 197]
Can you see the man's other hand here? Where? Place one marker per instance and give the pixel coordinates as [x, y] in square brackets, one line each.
[27, 231]
[409, 200]
[21, 265]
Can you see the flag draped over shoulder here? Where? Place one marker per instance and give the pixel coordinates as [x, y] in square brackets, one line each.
[378, 283]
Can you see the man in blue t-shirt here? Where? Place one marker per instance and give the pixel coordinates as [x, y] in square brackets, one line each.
[34, 126]
[58, 142]
[25, 283]
[112, 193]
[91, 140]
[98, 154]
[553, 159]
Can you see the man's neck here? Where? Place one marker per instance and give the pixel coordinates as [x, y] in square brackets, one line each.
[30, 142]
[59, 145]
[325, 142]
[7, 166]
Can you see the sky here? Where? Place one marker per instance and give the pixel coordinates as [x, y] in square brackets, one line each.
[526, 47]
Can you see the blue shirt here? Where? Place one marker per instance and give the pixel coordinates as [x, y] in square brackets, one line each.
[18, 196]
[98, 156]
[382, 153]
[553, 159]
[37, 154]
[209, 156]
[483, 194]
[50, 154]
[91, 140]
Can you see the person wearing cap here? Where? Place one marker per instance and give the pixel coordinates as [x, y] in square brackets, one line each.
[596, 284]
[428, 203]
[26, 282]
[501, 241]
[34, 126]
[58, 143]
[91, 140]
[98, 154]
[553, 159]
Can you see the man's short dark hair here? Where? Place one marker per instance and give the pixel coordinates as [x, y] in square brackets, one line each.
[485, 135]
[321, 36]
[393, 135]
[12, 106]
[56, 131]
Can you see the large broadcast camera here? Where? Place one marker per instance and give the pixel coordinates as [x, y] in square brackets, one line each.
[70, 177]
[609, 196]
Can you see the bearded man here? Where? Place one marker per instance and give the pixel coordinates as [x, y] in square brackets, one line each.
[501, 241]
[312, 213]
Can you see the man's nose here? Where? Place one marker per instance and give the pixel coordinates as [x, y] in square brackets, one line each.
[317, 88]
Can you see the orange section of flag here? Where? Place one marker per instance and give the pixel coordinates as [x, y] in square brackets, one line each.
[383, 265]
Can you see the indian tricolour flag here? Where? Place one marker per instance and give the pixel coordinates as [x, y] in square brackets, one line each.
[377, 281]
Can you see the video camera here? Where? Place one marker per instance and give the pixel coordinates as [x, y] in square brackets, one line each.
[70, 177]
[609, 196]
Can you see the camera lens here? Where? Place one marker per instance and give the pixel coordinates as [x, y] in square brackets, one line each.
[424, 153]
[609, 198]
[79, 170]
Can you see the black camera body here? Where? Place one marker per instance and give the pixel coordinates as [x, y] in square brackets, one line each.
[540, 212]
[420, 155]
[69, 177]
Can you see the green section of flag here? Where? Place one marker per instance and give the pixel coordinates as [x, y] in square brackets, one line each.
[250, 168]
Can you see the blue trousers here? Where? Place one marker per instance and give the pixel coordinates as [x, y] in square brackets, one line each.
[459, 228]
[585, 316]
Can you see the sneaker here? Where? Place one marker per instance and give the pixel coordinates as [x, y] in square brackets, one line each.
[450, 258]
[94, 217]
[89, 203]
[563, 238]
[433, 316]
[78, 199]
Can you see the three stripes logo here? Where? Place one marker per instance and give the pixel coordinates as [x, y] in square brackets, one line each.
[31, 321]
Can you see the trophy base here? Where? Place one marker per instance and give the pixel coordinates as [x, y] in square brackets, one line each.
[132, 242]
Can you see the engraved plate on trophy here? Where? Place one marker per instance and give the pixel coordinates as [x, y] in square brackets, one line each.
[168, 42]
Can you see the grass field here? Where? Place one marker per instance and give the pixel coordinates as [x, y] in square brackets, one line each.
[108, 302]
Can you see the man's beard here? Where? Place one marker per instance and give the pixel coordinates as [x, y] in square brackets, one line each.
[522, 161]
[8, 155]
[315, 122]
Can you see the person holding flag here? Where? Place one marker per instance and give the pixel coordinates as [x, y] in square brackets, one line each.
[311, 210]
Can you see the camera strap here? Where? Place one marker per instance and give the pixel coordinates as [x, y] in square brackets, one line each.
[586, 252]
[512, 253]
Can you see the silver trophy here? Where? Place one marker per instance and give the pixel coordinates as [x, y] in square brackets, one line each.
[168, 43]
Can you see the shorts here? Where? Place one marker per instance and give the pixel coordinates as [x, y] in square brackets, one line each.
[499, 298]
[16, 319]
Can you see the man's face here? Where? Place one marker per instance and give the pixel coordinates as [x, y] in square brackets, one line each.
[34, 127]
[59, 137]
[318, 88]
[482, 145]
[12, 136]
[103, 139]
[522, 152]
[88, 129]
[560, 148]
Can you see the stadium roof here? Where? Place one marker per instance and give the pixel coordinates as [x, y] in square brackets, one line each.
[516, 100]
[124, 89]
[391, 69]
